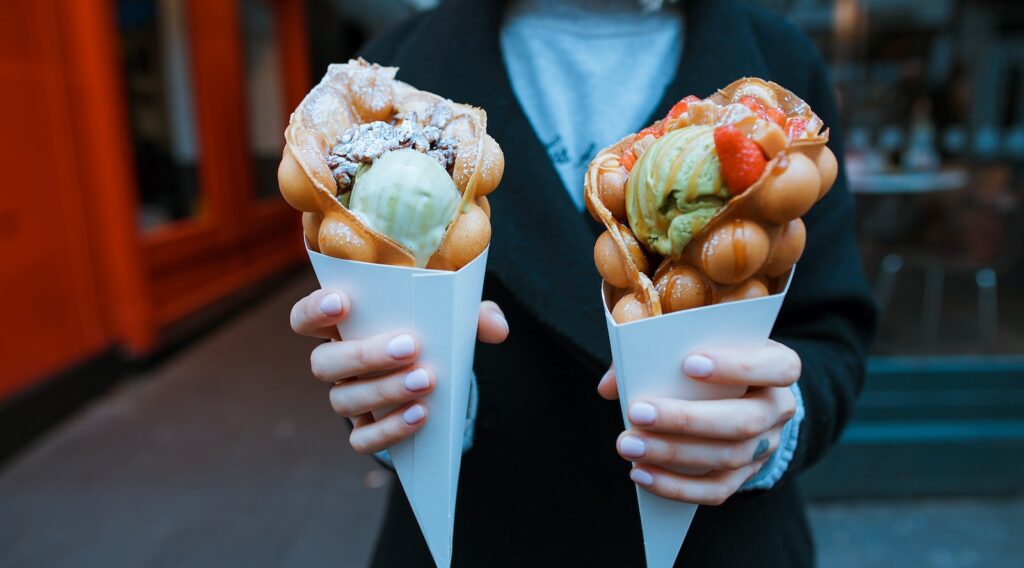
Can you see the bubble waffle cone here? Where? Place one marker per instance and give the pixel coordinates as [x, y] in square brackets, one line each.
[358, 93]
[748, 247]
[392, 184]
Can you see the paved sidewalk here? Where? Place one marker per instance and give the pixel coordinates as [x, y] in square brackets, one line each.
[228, 455]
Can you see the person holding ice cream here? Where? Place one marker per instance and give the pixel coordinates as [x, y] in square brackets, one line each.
[549, 473]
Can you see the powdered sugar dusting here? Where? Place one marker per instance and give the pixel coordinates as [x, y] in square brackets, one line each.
[367, 142]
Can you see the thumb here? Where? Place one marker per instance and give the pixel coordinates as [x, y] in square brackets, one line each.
[492, 328]
[607, 388]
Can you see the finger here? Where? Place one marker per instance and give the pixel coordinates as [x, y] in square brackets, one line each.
[493, 327]
[381, 434]
[698, 454]
[317, 314]
[711, 489]
[608, 388]
[770, 365]
[361, 420]
[340, 360]
[360, 396]
[755, 413]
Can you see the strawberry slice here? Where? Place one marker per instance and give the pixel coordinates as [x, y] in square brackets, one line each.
[795, 128]
[742, 160]
[777, 116]
[629, 157]
[771, 114]
[755, 105]
[656, 131]
[679, 108]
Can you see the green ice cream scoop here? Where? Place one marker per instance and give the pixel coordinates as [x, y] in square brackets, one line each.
[409, 197]
[674, 189]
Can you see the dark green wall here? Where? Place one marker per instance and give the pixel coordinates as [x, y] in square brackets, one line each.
[930, 426]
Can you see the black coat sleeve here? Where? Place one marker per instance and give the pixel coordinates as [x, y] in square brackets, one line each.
[829, 315]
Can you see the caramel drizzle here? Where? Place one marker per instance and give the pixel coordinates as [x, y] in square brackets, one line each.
[677, 164]
[739, 247]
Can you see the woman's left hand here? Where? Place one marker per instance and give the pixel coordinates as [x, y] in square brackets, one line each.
[724, 442]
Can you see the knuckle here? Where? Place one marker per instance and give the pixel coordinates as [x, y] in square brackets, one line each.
[788, 408]
[384, 390]
[679, 419]
[675, 491]
[736, 457]
[794, 369]
[760, 421]
[366, 356]
[359, 443]
[342, 408]
[676, 454]
[746, 368]
[749, 426]
[362, 355]
[717, 494]
[316, 363]
[342, 404]
[391, 431]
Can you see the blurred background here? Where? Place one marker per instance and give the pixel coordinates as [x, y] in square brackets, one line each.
[155, 409]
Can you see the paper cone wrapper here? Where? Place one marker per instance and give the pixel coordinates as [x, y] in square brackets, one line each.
[648, 358]
[441, 309]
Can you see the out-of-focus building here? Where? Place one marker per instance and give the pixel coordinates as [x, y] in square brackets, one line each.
[143, 142]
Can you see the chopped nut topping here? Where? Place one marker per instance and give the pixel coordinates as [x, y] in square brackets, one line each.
[365, 143]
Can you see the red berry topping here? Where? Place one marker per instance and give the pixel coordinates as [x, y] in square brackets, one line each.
[742, 160]
[679, 108]
[795, 128]
[755, 105]
[777, 116]
[656, 131]
[771, 114]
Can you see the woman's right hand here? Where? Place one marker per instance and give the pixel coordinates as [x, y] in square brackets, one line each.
[376, 372]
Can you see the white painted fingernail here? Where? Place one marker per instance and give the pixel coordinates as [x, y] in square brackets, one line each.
[414, 414]
[642, 414]
[417, 380]
[698, 366]
[401, 347]
[330, 305]
[641, 477]
[632, 447]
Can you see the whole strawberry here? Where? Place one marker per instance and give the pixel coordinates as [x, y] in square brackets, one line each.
[742, 160]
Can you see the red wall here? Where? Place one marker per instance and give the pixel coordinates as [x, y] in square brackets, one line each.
[48, 286]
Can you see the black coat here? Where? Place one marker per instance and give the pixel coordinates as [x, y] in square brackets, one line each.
[543, 485]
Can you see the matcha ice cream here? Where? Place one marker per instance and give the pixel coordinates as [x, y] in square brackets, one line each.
[674, 189]
[409, 197]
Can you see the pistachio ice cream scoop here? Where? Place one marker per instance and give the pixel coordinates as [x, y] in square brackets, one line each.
[675, 188]
[409, 197]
